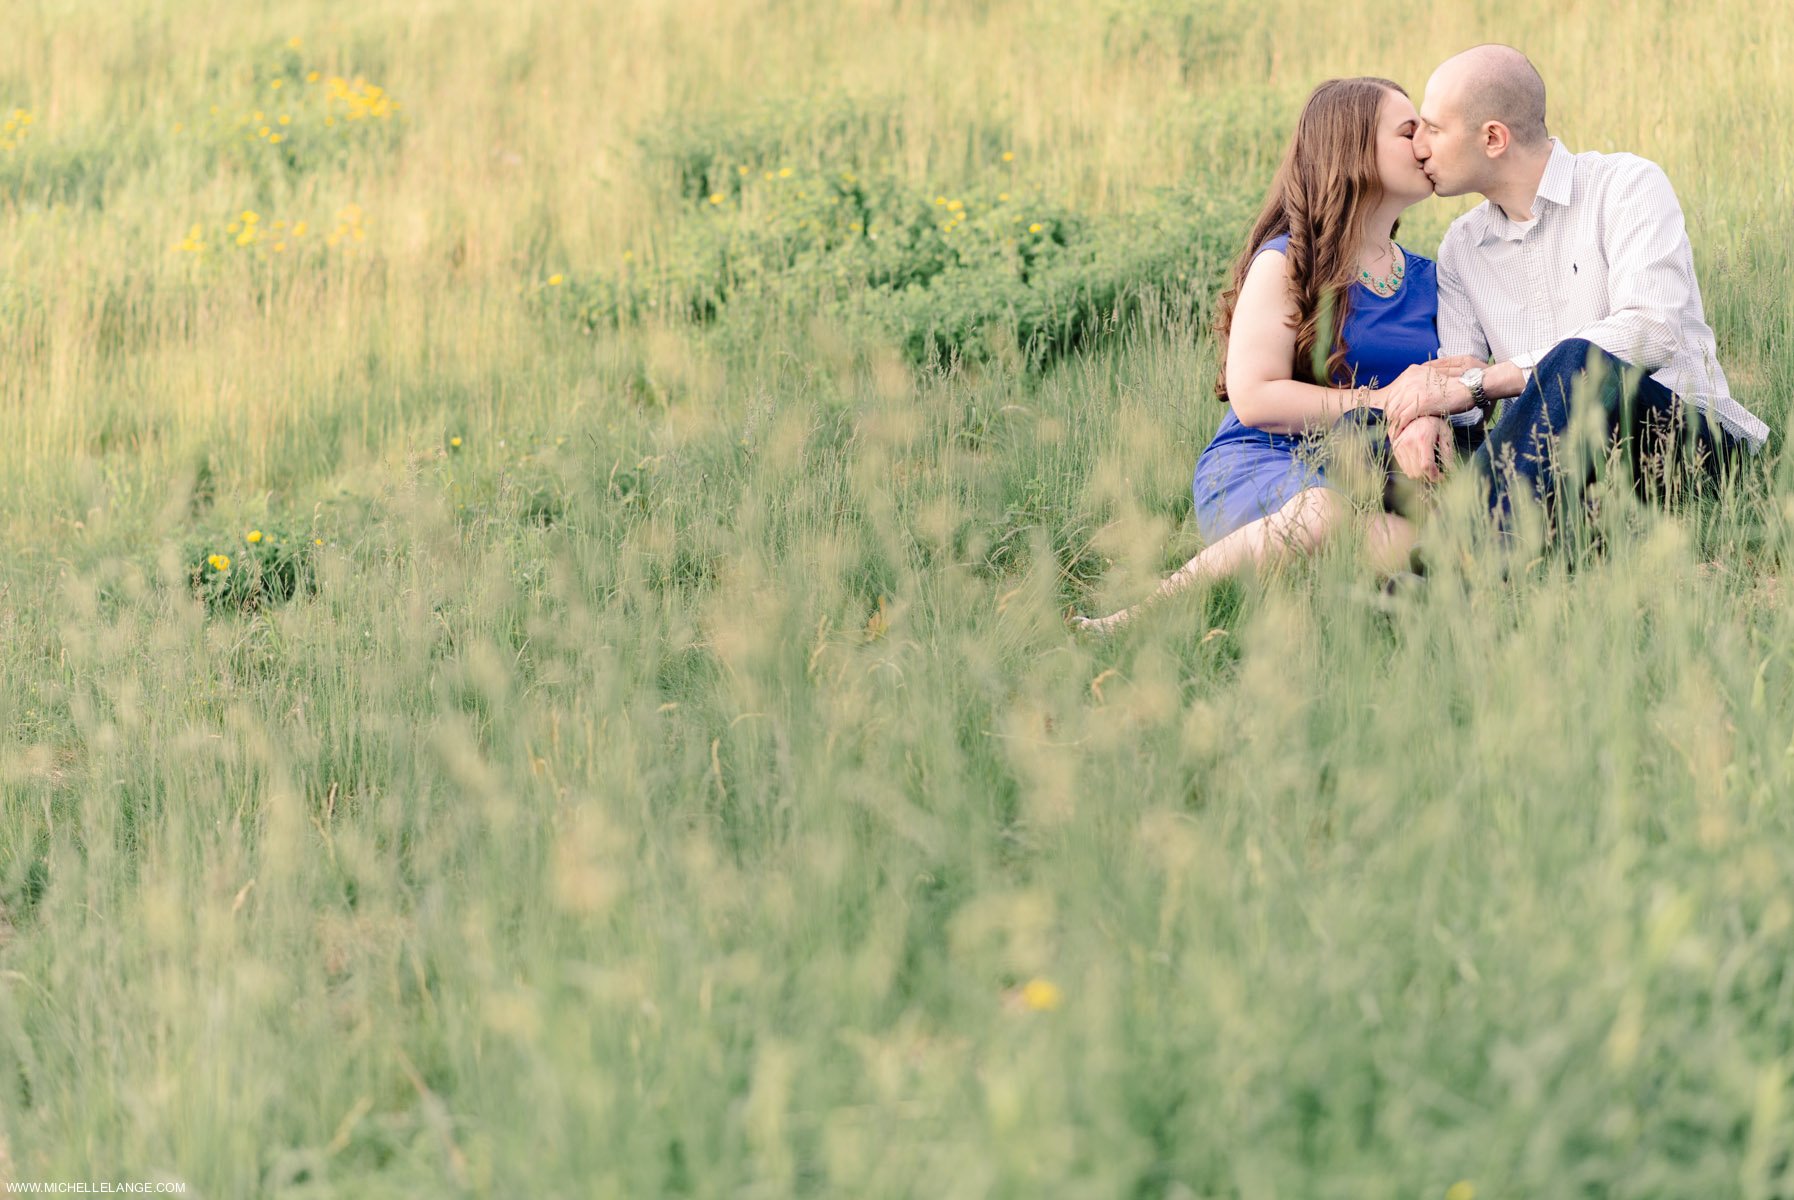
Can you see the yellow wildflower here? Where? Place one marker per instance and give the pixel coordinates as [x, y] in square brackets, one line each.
[784, 172]
[285, 119]
[1036, 227]
[275, 84]
[1461, 1190]
[299, 229]
[1041, 995]
[264, 131]
[317, 541]
[293, 43]
[716, 197]
[955, 205]
[1003, 197]
[253, 536]
[554, 281]
[741, 170]
[280, 247]
[455, 442]
[276, 139]
[1008, 156]
[250, 218]
[219, 562]
[311, 77]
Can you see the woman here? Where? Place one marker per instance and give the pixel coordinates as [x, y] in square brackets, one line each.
[1321, 258]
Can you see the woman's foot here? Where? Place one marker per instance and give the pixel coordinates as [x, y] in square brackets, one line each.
[1099, 626]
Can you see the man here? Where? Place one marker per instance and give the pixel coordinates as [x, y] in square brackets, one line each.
[1575, 277]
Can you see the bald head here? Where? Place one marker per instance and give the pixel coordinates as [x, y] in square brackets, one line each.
[1495, 83]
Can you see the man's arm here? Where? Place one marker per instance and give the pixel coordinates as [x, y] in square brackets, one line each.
[1459, 330]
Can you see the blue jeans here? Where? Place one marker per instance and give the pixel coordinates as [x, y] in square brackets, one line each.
[1665, 443]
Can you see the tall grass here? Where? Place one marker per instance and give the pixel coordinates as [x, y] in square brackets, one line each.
[673, 776]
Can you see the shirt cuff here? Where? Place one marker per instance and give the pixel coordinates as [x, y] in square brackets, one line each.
[1469, 418]
[1525, 362]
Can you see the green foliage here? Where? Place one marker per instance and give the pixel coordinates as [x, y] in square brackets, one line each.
[67, 171]
[282, 114]
[251, 569]
[724, 151]
[1198, 36]
[945, 276]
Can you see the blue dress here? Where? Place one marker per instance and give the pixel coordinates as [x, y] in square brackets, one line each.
[1249, 473]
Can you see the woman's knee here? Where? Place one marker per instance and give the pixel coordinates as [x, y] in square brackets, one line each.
[1390, 541]
[1310, 515]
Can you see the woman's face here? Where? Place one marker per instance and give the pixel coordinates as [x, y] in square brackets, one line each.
[1399, 170]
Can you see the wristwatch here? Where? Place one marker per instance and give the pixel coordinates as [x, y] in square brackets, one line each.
[1473, 380]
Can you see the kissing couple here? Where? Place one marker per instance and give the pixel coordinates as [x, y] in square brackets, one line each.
[1573, 279]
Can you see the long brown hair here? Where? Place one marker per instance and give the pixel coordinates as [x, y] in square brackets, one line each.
[1327, 183]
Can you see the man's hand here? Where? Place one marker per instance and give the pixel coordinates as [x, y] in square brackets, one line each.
[1422, 390]
[1424, 448]
[1456, 364]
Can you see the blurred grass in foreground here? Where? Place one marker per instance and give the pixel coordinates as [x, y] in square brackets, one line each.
[673, 775]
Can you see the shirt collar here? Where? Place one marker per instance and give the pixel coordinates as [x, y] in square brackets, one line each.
[1555, 187]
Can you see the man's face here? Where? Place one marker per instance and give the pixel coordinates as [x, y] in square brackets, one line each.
[1444, 144]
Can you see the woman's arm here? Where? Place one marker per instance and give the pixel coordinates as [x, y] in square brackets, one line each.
[1261, 354]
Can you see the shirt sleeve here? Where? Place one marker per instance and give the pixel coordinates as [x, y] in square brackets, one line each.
[1459, 330]
[1650, 271]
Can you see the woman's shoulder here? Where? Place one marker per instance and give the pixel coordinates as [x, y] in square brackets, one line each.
[1280, 244]
[1416, 259]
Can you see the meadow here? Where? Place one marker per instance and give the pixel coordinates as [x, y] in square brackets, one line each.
[533, 655]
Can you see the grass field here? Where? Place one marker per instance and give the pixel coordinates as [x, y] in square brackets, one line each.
[522, 674]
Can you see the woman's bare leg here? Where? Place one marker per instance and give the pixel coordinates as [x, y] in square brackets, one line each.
[1297, 528]
[1390, 542]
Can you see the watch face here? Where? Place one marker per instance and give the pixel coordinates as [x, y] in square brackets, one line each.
[1472, 378]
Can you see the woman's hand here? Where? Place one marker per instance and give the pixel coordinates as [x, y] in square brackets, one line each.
[1423, 390]
[1424, 448]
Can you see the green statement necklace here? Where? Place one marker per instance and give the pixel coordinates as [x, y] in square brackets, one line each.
[1391, 285]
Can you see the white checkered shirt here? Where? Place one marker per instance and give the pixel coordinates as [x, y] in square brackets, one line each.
[1606, 258]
